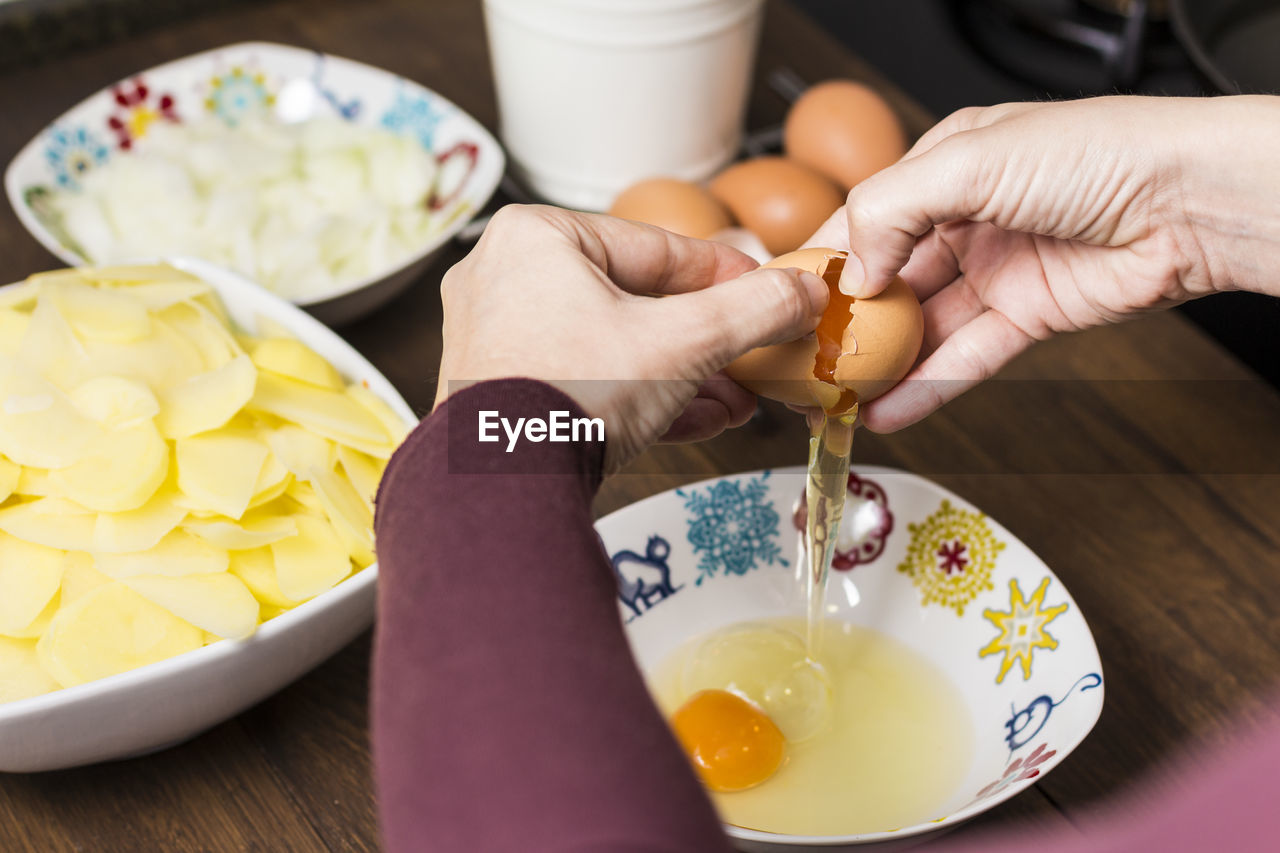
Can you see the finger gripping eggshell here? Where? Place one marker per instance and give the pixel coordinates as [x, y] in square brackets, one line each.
[879, 344]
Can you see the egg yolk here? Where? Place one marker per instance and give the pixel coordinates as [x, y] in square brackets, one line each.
[830, 333]
[731, 743]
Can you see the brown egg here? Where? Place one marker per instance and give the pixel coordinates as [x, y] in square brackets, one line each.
[860, 350]
[845, 131]
[677, 206]
[781, 201]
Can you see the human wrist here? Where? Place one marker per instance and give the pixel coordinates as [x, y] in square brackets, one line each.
[1230, 192]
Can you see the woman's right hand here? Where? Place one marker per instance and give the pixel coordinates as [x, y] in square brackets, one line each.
[1016, 222]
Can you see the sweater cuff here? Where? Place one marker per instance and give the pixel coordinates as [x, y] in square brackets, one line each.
[505, 427]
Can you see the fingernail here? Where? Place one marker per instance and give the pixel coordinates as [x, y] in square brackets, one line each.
[853, 278]
[818, 291]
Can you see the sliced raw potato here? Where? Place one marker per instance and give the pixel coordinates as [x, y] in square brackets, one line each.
[136, 529]
[166, 489]
[298, 450]
[362, 471]
[268, 328]
[135, 276]
[305, 497]
[160, 361]
[119, 470]
[267, 612]
[23, 295]
[347, 512]
[253, 531]
[218, 471]
[218, 603]
[21, 675]
[13, 325]
[294, 359]
[54, 522]
[270, 493]
[51, 348]
[206, 332]
[30, 575]
[257, 568]
[331, 414]
[109, 630]
[34, 482]
[311, 562]
[159, 295]
[79, 576]
[41, 623]
[100, 313]
[10, 477]
[114, 401]
[273, 473]
[38, 424]
[391, 422]
[207, 400]
[178, 554]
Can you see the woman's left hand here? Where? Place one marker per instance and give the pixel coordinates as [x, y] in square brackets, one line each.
[563, 297]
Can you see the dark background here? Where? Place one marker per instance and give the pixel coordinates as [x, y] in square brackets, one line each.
[924, 46]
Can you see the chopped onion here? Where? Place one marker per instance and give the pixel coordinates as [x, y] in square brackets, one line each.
[305, 209]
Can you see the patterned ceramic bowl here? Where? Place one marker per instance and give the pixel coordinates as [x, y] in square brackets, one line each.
[916, 563]
[234, 81]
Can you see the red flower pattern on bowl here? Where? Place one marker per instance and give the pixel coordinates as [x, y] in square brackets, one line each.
[867, 520]
[137, 110]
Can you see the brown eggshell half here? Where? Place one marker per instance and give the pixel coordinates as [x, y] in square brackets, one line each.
[879, 345]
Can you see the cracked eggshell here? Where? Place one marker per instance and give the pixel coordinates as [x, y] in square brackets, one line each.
[879, 345]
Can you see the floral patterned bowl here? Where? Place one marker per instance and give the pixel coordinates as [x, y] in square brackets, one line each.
[917, 563]
[233, 81]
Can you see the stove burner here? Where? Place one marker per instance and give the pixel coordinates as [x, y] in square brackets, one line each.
[1073, 47]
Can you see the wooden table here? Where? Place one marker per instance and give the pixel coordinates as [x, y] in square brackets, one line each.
[1139, 461]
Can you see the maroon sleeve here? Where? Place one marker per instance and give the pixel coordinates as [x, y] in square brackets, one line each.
[507, 711]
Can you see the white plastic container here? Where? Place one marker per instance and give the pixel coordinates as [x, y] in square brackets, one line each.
[597, 94]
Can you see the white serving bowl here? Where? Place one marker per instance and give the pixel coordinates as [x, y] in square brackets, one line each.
[301, 84]
[165, 703]
[730, 554]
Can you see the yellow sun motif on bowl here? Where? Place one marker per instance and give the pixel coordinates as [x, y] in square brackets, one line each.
[951, 557]
[1022, 629]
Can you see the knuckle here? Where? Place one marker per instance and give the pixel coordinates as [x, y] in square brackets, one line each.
[787, 293]
[863, 209]
[509, 217]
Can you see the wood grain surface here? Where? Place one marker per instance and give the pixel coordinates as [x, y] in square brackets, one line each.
[1139, 461]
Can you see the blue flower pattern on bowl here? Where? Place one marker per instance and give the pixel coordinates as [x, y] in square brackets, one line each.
[413, 115]
[236, 94]
[733, 527]
[72, 152]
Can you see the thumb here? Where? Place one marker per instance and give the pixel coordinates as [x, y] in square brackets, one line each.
[765, 306]
[890, 210]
